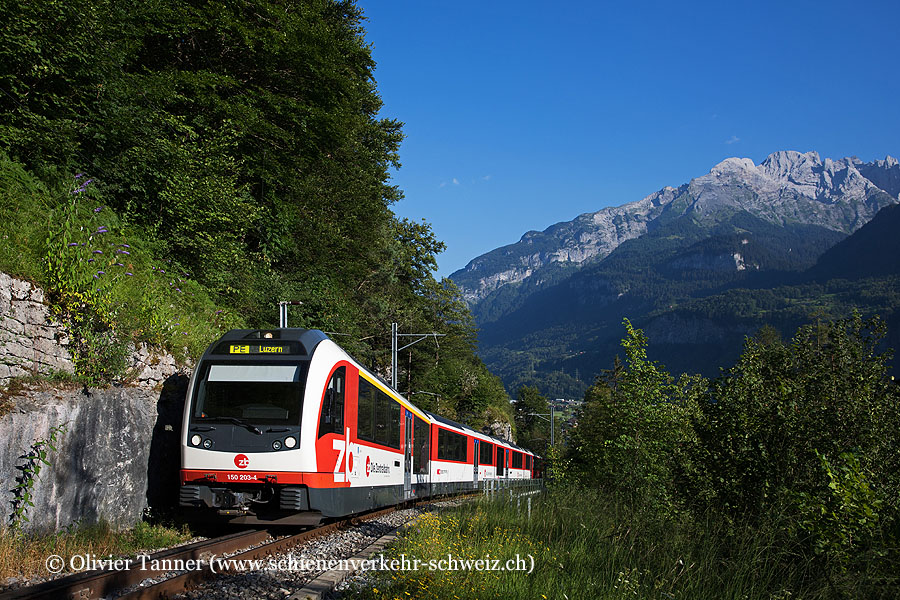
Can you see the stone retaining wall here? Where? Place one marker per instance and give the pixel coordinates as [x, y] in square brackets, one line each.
[119, 454]
[32, 343]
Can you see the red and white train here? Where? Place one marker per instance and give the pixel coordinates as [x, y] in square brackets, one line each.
[283, 426]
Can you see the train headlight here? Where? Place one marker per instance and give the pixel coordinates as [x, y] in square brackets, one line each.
[276, 445]
[207, 443]
[290, 442]
[195, 440]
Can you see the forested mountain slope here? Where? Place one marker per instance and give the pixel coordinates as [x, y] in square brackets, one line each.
[677, 252]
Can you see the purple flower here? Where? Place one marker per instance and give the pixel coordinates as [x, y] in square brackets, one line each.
[177, 290]
[98, 251]
[218, 312]
[124, 252]
[125, 245]
[79, 175]
[73, 244]
[119, 265]
[98, 209]
[101, 272]
[130, 274]
[90, 260]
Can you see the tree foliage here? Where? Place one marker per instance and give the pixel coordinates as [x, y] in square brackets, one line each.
[533, 429]
[799, 436]
[245, 140]
[634, 428]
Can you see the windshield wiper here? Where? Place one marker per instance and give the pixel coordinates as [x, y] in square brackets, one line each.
[236, 421]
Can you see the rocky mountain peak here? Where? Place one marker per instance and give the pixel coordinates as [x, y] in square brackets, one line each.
[733, 165]
[787, 188]
[787, 163]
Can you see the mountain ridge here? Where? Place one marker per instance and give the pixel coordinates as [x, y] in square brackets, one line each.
[699, 266]
[786, 187]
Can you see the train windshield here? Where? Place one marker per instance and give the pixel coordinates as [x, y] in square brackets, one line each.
[263, 394]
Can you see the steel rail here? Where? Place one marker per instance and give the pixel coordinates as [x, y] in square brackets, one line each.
[103, 582]
[191, 579]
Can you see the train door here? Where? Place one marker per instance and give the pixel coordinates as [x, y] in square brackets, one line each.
[407, 457]
[500, 462]
[475, 466]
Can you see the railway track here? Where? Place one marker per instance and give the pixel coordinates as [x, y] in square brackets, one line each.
[124, 584]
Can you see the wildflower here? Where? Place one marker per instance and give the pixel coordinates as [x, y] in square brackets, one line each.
[79, 175]
[90, 260]
[124, 252]
[73, 244]
[130, 274]
[218, 312]
[101, 272]
[98, 251]
[119, 265]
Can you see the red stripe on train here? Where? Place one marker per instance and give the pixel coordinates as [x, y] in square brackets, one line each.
[318, 480]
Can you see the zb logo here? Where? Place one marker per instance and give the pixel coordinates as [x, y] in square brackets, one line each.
[344, 463]
[241, 461]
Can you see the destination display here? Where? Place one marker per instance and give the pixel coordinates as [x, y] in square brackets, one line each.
[257, 349]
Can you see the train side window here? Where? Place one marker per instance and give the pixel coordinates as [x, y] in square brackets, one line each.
[516, 460]
[422, 446]
[332, 418]
[451, 445]
[365, 415]
[394, 439]
[486, 453]
[382, 419]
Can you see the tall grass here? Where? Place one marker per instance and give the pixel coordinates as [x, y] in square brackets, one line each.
[24, 556]
[589, 546]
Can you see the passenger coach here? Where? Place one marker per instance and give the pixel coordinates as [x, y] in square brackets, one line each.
[284, 426]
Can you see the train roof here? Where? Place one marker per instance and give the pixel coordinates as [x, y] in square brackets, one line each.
[467, 429]
[304, 341]
[308, 339]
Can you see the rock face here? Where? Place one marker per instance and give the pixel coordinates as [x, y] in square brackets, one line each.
[119, 452]
[115, 458]
[501, 430]
[786, 188]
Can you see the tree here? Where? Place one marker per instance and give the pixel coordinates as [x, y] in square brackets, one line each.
[533, 430]
[634, 429]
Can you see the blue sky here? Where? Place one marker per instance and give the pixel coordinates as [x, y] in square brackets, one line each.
[523, 114]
